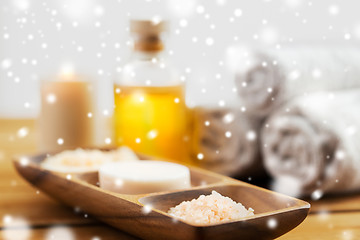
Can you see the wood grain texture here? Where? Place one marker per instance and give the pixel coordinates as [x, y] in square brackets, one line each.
[66, 232]
[342, 226]
[342, 203]
[126, 211]
[17, 197]
[330, 217]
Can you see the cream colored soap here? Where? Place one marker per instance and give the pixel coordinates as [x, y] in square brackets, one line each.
[86, 160]
[143, 177]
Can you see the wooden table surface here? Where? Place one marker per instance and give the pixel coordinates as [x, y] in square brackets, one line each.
[26, 213]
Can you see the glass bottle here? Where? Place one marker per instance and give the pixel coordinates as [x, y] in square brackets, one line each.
[150, 111]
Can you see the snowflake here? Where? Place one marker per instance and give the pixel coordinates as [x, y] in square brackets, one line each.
[51, 98]
[340, 154]
[269, 35]
[228, 134]
[27, 105]
[209, 41]
[60, 141]
[251, 135]
[351, 130]
[347, 36]
[183, 23]
[24, 161]
[99, 11]
[6, 63]
[357, 30]
[146, 209]
[181, 8]
[238, 12]
[58, 26]
[221, 2]
[119, 182]
[317, 194]
[200, 9]
[152, 134]
[11, 222]
[107, 140]
[333, 10]
[59, 232]
[293, 3]
[22, 132]
[272, 223]
[21, 5]
[156, 20]
[106, 112]
[316, 73]
[228, 118]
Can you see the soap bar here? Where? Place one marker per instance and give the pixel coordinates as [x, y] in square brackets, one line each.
[86, 160]
[143, 177]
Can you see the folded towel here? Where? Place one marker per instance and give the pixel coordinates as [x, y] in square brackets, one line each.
[225, 141]
[311, 146]
[266, 78]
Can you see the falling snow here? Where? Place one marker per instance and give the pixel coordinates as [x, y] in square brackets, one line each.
[95, 34]
[209, 41]
[146, 209]
[59, 232]
[272, 223]
[60, 141]
[317, 194]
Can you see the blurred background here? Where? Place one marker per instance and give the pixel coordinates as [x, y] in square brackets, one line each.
[242, 63]
[273, 88]
[37, 38]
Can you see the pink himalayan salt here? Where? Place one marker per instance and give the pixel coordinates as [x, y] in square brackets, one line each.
[210, 209]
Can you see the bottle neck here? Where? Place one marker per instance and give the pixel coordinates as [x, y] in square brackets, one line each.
[146, 55]
[147, 46]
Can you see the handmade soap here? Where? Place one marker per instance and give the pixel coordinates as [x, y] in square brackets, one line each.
[143, 177]
[81, 160]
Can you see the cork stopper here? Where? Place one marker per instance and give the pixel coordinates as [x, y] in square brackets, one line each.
[148, 34]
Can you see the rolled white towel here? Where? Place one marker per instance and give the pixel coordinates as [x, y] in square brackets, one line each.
[225, 141]
[311, 145]
[266, 78]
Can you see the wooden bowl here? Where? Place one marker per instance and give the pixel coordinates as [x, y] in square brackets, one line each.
[275, 214]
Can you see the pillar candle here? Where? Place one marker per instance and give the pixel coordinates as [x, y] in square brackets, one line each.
[66, 117]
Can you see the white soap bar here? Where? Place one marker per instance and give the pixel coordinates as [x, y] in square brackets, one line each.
[143, 177]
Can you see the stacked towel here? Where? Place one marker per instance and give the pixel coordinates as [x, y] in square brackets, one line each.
[311, 146]
[225, 141]
[267, 78]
